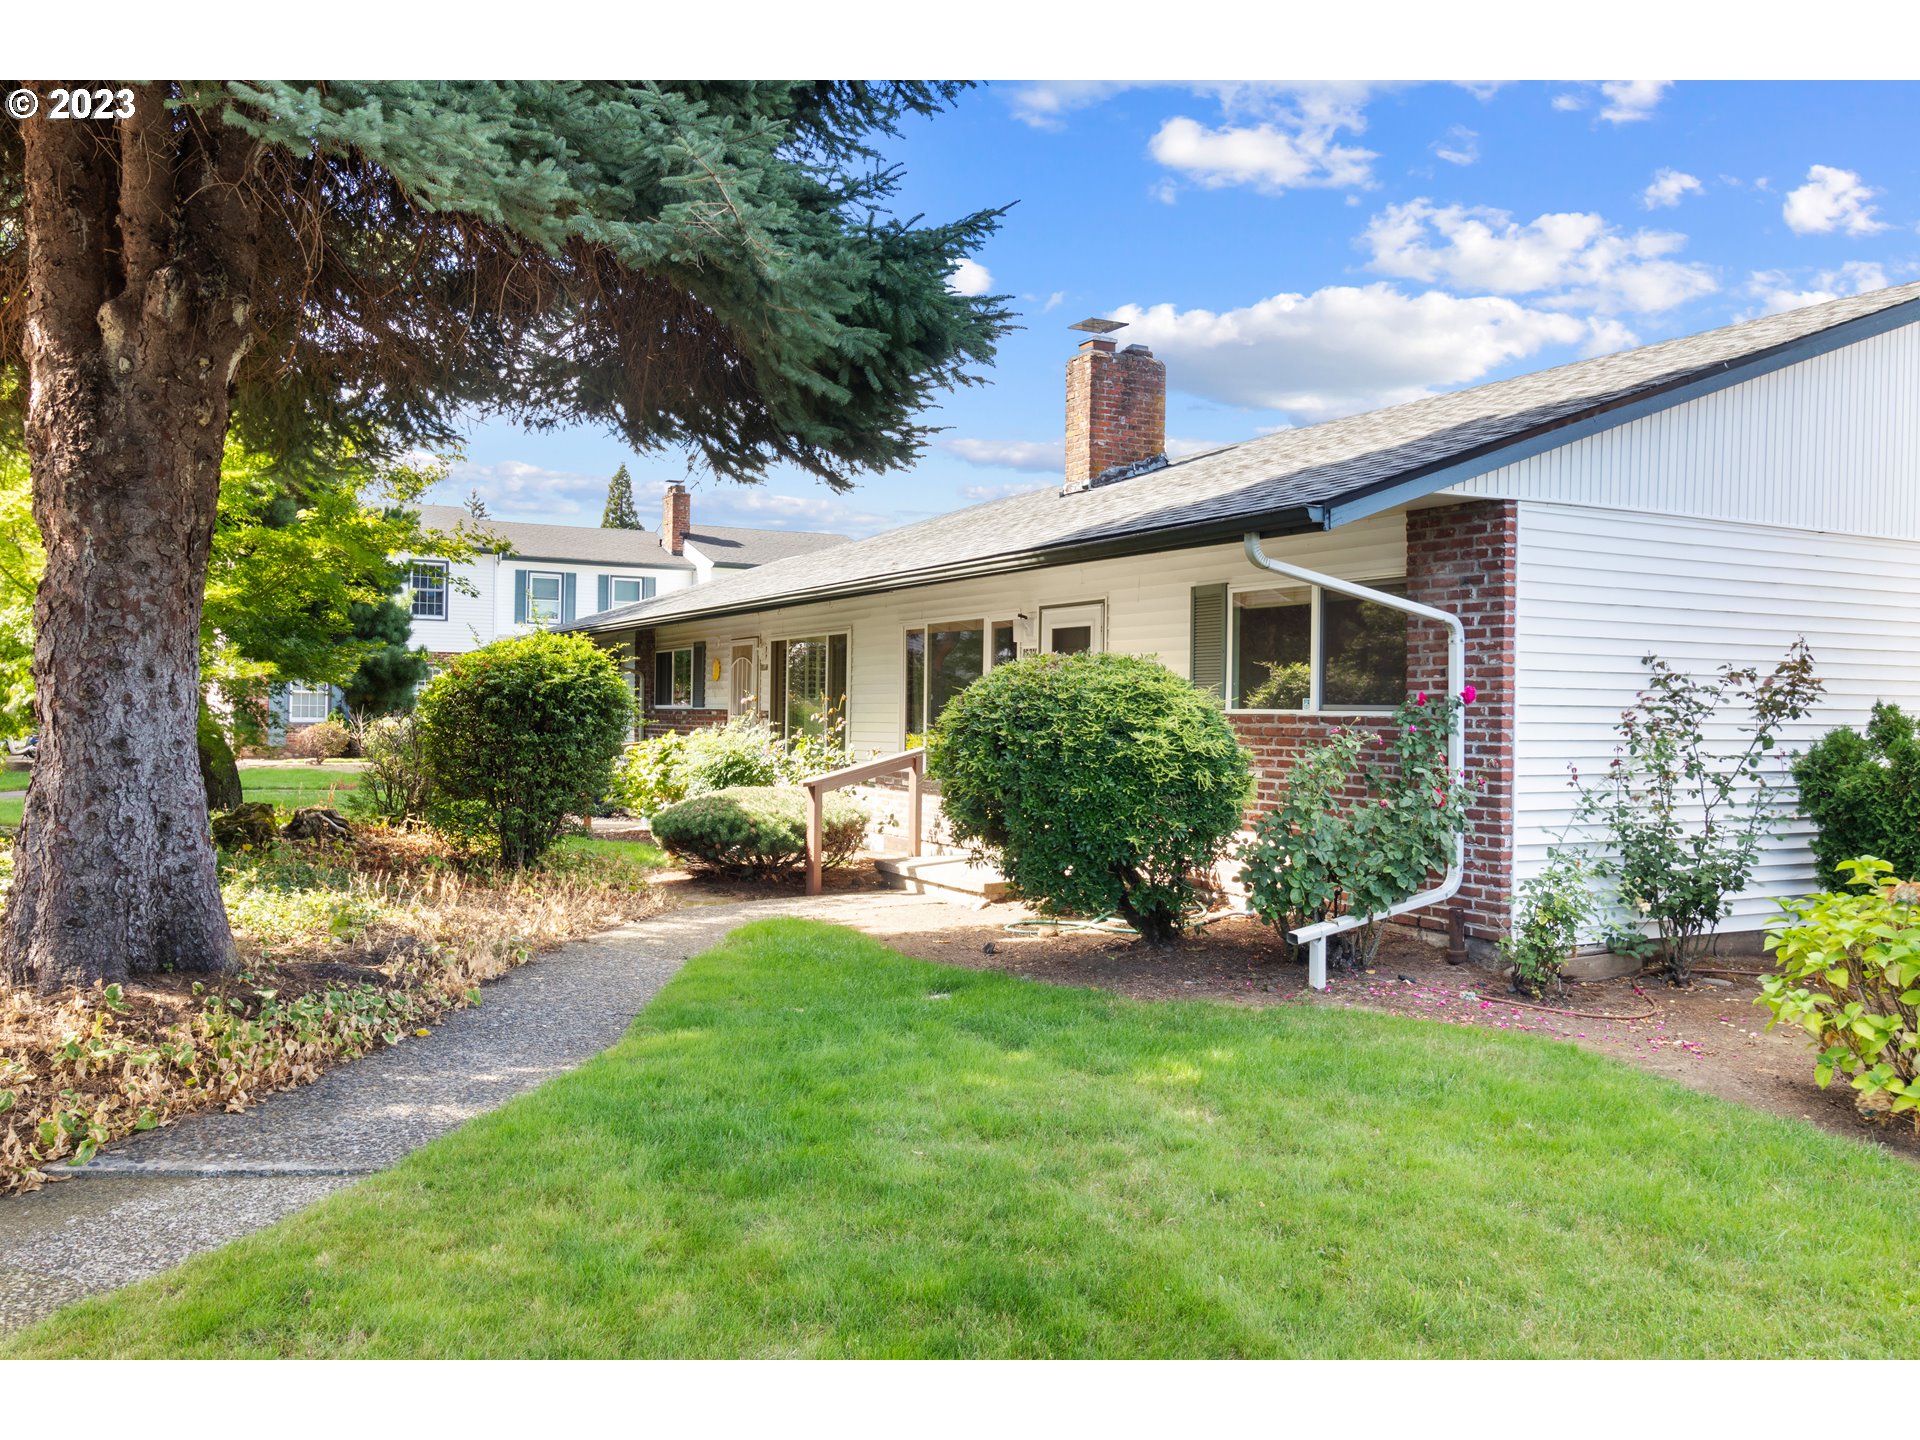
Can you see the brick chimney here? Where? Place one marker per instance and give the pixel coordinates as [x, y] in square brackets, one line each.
[1116, 413]
[676, 517]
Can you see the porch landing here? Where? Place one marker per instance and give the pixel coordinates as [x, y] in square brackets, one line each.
[945, 877]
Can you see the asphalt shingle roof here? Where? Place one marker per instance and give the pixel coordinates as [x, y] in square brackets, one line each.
[736, 545]
[1273, 478]
[582, 544]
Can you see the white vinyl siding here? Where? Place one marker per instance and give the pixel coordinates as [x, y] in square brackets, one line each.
[1831, 443]
[1599, 589]
[1148, 601]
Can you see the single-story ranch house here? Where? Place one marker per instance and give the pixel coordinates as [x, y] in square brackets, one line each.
[1708, 498]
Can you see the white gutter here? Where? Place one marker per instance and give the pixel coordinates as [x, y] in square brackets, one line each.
[1314, 936]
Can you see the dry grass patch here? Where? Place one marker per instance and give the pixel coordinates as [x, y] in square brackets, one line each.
[344, 948]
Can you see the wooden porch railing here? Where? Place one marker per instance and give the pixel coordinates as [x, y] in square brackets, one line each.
[914, 762]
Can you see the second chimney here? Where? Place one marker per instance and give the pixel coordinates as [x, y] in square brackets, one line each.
[676, 517]
[1116, 413]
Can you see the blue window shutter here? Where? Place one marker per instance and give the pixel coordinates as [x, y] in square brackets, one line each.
[568, 584]
[646, 588]
[519, 597]
[699, 677]
[603, 595]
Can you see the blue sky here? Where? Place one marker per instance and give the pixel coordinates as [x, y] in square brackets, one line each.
[1299, 252]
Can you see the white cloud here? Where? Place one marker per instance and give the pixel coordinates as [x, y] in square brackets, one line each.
[1481, 89]
[1034, 455]
[1290, 140]
[1832, 199]
[1460, 146]
[1774, 288]
[1628, 100]
[1344, 348]
[981, 494]
[521, 490]
[1569, 260]
[1570, 101]
[1668, 188]
[1054, 301]
[970, 277]
[1045, 104]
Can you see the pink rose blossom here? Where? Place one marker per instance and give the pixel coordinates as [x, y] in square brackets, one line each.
[1421, 698]
[1467, 695]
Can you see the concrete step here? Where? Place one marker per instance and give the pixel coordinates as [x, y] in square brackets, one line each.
[949, 877]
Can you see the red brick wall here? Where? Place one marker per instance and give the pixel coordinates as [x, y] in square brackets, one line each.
[1116, 410]
[1460, 558]
[659, 722]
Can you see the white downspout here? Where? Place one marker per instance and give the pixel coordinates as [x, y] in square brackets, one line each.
[1314, 936]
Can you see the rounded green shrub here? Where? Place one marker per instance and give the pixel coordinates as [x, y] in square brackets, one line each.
[516, 737]
[1863, 792]
[1107, 784]
[744, 751]
[757, 830]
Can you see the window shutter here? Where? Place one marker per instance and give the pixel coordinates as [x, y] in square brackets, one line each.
[569, 586]
[1208, 651]
[603, 595]
[519, 597]
[699, 677]
[646, 588]
[663, 677]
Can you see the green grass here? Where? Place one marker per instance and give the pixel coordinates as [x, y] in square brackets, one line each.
[636, 853]
[809, 1145]
[12, 782]
[295, 785]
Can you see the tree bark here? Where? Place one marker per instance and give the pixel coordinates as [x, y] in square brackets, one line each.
[136, 318]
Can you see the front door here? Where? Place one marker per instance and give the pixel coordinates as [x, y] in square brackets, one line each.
[1070, 629]
[742, 691]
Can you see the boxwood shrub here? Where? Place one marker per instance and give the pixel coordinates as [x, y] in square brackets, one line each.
[757, 830]
[1863, 792]
[1106, 783]
[516, 737]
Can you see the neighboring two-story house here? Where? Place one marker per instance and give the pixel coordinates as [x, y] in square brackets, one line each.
[542, 575]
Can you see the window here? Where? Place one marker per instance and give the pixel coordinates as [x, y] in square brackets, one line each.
[1297, 647]
[942, 660]
[673, 679]
[308, 704]
[428, 581]
[543, 597]
[809, 684]
[629, 592]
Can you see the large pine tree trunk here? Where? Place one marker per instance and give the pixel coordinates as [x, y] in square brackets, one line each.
[136, 319]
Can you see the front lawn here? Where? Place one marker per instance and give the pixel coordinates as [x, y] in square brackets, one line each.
[295, 785]
[809, 1145]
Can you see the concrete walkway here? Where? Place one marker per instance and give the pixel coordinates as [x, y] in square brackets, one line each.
[151, 1201]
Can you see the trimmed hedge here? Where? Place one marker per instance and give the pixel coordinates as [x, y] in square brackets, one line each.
[757, 830]
[1107, 783]
[517, 737]
[1863, 791]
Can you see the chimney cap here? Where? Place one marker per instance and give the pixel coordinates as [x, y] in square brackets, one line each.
[1094, 325]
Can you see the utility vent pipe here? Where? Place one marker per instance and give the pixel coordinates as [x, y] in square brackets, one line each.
[1315, 936]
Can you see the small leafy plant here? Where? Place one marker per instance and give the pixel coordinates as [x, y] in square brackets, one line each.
[1554, 907]
[1848, 973]
[1364, 820]
[1682, 817]
[652, 775]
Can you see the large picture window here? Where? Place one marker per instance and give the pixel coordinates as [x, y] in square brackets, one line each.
[673, 679]
[308, 704]
[809, 684]
[942, 660]
[428, 581]
[1298, 647]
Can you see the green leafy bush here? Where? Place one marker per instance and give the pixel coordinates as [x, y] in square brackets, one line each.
[743, 752]
[1554, 907]
[1684, 807]
[517, 736]
[757, 830]
[1863, 792]
[1364, 819]
[651, 775]
[1106, 783]
[1848, 973]
[393, 787]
